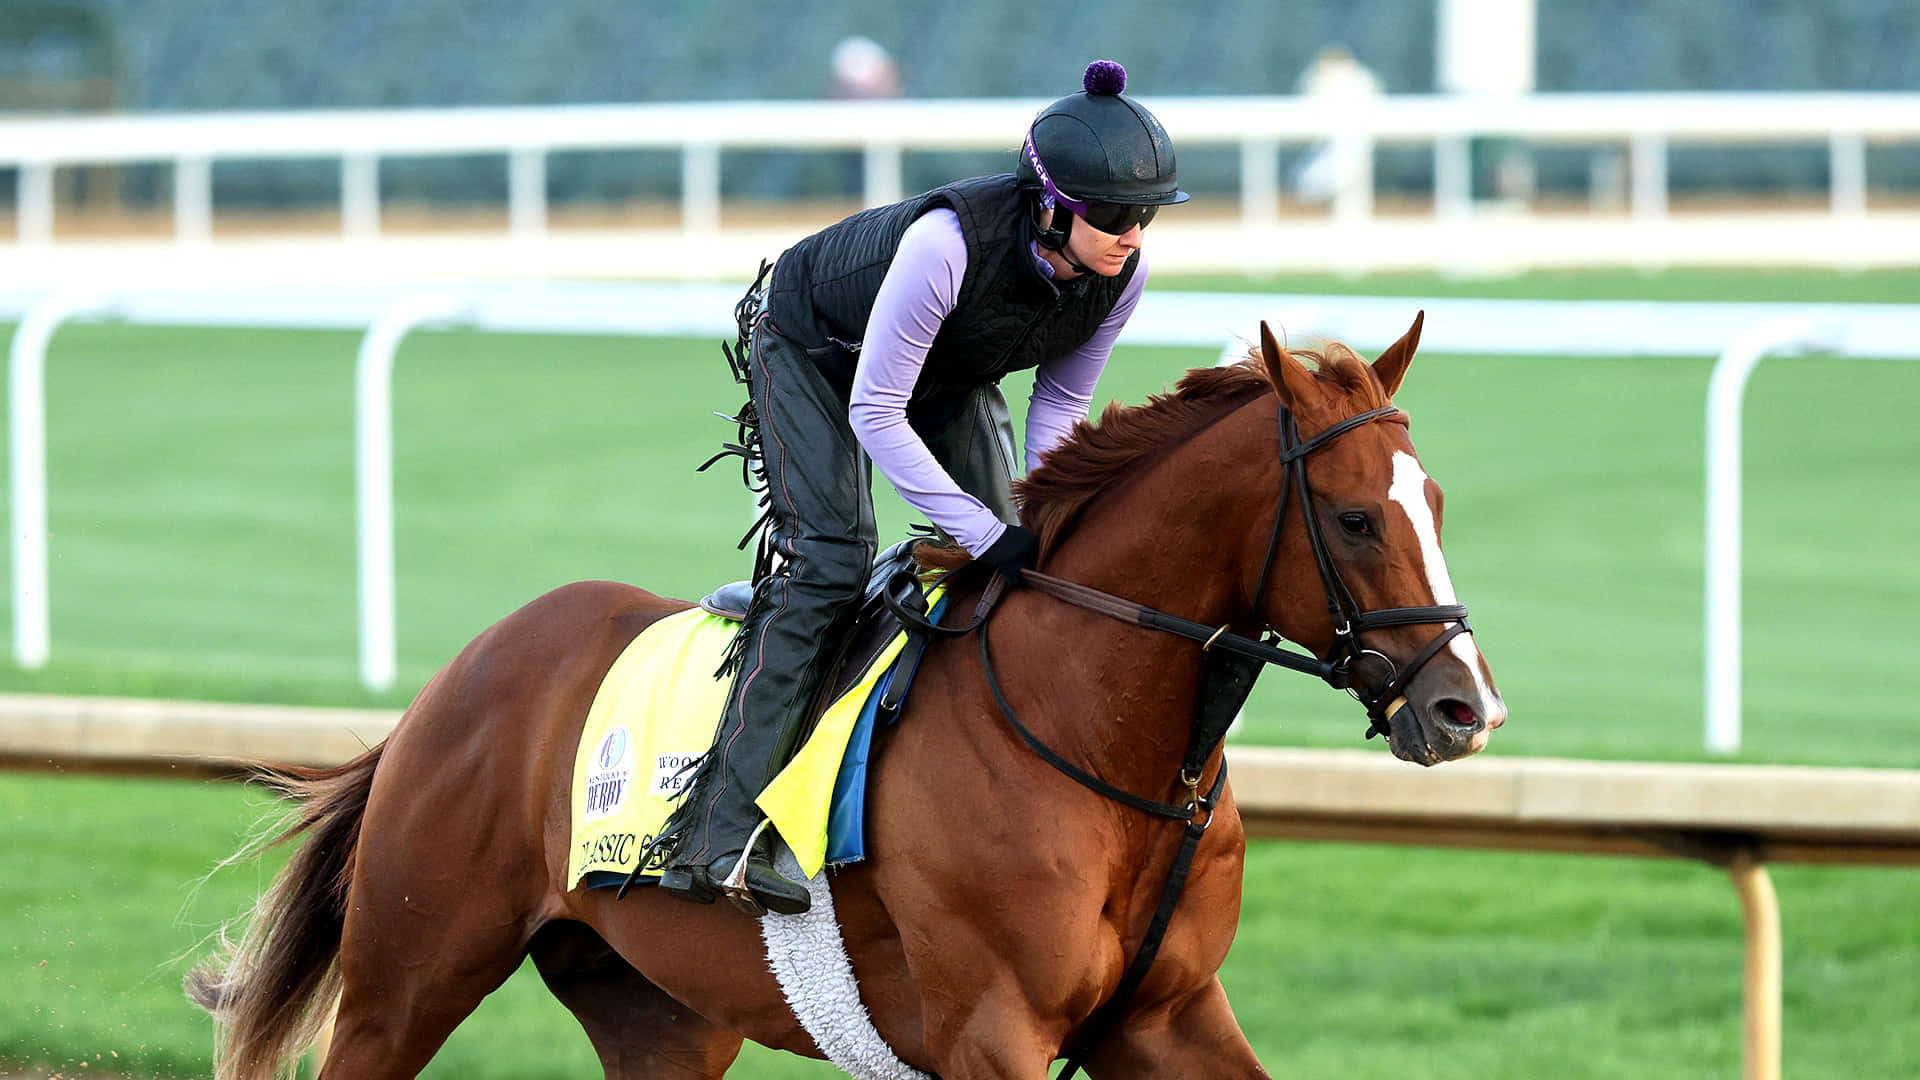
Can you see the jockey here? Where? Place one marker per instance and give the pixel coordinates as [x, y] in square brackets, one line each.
[882, 339]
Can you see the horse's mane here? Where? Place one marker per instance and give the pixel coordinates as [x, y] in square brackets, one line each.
[1094, 456]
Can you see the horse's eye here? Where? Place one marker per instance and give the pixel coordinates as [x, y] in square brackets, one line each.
[1356, 524]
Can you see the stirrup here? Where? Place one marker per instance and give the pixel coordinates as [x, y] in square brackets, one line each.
[687, 884]
[734, 885]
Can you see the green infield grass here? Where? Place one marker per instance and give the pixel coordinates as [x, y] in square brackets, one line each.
[1351, 962]
[202, 546]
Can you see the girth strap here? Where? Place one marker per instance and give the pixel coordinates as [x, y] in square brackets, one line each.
[1226, 682]
[1108, 1015]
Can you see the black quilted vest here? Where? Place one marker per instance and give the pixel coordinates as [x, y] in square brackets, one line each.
[1007, 316]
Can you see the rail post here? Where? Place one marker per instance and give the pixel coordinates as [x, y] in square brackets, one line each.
[373, 463]
[1760, 1045]
[1726, 396]
[27, 466]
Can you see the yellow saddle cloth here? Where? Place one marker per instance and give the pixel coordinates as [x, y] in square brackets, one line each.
[654, 718]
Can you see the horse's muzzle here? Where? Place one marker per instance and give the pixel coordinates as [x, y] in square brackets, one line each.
[1444, 730]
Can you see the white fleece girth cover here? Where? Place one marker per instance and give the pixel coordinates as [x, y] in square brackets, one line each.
[809, 958]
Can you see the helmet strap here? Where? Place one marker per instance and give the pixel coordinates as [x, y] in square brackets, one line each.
[1053, 236]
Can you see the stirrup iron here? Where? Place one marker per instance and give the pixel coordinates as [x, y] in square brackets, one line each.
[734, 886]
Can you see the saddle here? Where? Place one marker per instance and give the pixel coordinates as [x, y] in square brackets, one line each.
[892, 586]
[652, 719]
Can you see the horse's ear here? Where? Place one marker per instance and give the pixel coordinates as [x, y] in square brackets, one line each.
[1392, 365]
[1290, 376]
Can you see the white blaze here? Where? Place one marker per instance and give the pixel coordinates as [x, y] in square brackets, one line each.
[1409, 489]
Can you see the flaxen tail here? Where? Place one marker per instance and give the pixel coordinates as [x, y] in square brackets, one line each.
[272, 993]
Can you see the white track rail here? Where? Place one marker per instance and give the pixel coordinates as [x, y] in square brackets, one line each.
[1642, 126]
[1741, 334]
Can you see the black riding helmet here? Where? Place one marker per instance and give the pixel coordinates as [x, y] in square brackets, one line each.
[1100, 155]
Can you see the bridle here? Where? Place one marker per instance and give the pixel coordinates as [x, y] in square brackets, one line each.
[1227, 679]
[1349, 621]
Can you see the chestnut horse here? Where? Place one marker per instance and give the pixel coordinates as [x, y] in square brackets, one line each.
[1001, 901]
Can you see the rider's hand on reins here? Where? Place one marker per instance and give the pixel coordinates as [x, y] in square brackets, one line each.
[1015, 551]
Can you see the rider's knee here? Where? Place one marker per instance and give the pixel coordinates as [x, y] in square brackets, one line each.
[835, 568]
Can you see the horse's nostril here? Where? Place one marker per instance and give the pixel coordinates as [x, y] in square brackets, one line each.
[1459, 712]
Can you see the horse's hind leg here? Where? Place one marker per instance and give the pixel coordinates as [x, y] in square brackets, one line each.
[637, 1030]
[413, 965]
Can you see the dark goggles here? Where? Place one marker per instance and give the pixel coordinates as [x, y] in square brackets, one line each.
[1108, 217]
[1116, 218]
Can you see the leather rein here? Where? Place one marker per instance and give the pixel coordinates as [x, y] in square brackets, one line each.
[1349, 621]
[1227, 679]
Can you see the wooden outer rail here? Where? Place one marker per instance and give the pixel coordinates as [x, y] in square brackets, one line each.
[48, 731]
[1736, 817]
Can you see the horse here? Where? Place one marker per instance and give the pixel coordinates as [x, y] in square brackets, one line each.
[1001, 901]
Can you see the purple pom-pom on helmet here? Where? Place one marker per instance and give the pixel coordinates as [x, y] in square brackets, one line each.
[1105, 77]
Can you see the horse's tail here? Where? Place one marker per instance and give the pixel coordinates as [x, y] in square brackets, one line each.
[272, 993]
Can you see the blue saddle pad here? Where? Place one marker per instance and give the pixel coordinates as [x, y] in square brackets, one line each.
[846, 822]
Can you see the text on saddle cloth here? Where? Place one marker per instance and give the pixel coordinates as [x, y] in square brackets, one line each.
[653, 719]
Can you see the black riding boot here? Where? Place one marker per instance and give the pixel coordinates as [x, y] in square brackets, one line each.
[821, 525]
[724, 844]
[750, 882]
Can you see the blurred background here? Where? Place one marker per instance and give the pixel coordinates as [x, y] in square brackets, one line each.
[339, 330]
[1522, 135]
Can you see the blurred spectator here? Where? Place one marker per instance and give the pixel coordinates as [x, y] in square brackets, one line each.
[863, 69]
[1335, 81]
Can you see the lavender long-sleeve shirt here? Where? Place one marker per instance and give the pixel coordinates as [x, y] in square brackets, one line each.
[918, 293]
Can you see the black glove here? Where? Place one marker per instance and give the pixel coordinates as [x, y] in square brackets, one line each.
[1016, 550]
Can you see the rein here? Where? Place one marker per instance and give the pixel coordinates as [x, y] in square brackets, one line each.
[1227, 679]
[1209, 637]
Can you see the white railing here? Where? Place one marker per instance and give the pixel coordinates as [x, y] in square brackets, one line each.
[1646, 125]
[1726, 402]
[1740, 334]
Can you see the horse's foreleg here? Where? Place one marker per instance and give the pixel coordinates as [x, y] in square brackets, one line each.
[995, 1037]
[1187, 1039]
